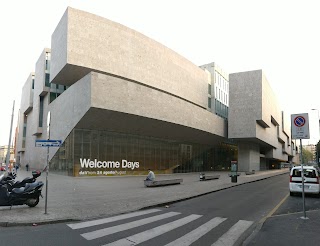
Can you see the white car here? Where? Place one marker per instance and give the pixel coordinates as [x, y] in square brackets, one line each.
[311, 180]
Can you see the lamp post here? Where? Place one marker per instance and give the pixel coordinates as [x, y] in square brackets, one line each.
[317, 154]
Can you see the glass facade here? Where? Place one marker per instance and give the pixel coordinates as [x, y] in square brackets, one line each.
[93, 152]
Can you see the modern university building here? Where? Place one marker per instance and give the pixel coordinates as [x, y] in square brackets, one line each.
[122, 103]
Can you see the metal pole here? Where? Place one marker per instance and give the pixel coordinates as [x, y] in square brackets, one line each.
[9, 144]
[302, 177]
[47, 167]
[47, 173]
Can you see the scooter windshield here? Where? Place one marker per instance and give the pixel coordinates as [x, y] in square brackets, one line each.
[3, 176]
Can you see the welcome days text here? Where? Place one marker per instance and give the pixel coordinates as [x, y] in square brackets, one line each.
[87, 163]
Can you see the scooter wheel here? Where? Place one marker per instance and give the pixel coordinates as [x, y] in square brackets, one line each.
[32, 202]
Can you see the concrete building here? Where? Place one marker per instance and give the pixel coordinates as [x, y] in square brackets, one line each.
[122, 103]
[218, 90]
[257, 124]
[3, 154]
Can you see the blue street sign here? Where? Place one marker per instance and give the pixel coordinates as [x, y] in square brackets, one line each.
[48, 143]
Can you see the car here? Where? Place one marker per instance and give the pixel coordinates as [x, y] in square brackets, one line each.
[3, 167]
[311, 180]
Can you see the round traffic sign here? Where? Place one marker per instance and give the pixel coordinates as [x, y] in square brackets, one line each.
[299, 121]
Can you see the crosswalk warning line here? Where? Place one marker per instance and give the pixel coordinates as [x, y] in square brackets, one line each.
[110, 219]
[231, 236]
[154, 232]
[197, 233]
[114, 229]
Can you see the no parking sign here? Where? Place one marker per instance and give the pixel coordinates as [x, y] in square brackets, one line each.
[300, 126]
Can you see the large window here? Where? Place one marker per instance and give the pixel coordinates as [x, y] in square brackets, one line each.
[161, 155]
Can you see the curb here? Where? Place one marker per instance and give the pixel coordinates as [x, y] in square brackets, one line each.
[13, 224]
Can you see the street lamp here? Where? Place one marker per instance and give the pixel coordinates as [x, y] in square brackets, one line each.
[317, 154]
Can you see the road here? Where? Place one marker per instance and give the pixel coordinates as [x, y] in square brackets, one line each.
[222, 217]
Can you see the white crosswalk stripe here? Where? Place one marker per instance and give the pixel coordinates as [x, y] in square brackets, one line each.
[111, 219]
[227, 239]
[197, 233]
[123, 227]
[231, 236]
[154, 232]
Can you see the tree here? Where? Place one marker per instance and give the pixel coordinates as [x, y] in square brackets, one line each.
[306, 156]
[318, 151]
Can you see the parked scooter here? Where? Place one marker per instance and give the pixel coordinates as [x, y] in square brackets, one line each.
[28, 194]
[12, 183]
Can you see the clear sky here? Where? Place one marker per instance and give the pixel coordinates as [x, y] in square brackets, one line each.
[281, 37]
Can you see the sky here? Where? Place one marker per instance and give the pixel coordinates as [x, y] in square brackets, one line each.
[281, 37]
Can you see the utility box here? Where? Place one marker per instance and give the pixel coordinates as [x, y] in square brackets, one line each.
[234, 171]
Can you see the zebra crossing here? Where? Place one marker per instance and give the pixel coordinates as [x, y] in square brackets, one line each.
[91, 230]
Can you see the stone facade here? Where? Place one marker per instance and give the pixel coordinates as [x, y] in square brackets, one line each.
[257, 124]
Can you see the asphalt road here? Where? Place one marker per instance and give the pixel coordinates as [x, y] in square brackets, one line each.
[223, 217]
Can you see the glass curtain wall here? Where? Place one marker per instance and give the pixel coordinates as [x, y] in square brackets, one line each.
[160, 155]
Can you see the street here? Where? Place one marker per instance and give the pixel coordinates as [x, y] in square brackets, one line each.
[222, 217]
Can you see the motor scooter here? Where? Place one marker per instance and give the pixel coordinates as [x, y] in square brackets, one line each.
[28, 194]
[12, 183]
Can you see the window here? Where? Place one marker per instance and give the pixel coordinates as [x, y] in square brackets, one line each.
[209, 102]
[48, 56]
[41, 111]
[47, 80]
[24, 132]
[32, 82]
[209, 89]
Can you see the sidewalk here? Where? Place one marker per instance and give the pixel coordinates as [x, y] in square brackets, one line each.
[289, 229]
[84, 198]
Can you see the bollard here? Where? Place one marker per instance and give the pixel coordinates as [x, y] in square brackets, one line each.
[234, 178]
[202, 176]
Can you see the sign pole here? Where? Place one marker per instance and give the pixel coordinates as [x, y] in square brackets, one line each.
[47, 167]
[302, 177]
[47, 173]
[300, 130]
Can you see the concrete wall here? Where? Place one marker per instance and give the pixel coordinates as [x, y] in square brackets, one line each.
[68, 109]
[26, 103]
[245, 104]
[124, 96]
[84, 42]
[248, 156]
[255, 116]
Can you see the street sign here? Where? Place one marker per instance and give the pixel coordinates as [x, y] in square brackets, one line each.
[48, 143]
[300, 126]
